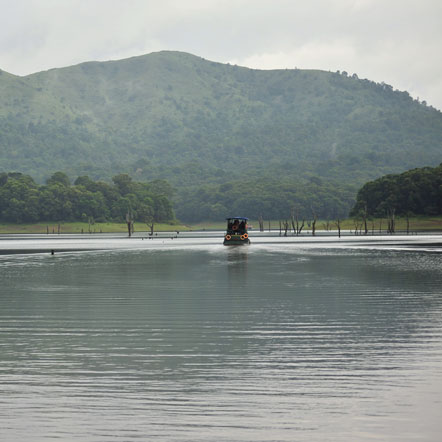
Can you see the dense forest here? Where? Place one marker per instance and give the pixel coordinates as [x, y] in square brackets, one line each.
[22, 200]
[270, 198]
[287, 137]
[415, 192]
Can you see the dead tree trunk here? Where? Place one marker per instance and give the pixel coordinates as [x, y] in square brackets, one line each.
[151, 226]
[91, 222]
[338, 225]
[292, 219]
[286, 227]
[129, 222]
[314, 223]
[300, 227]
[356, 224]
[365, 216]
[294, 226]
[295, 223]
[261, 224]
[391, 221]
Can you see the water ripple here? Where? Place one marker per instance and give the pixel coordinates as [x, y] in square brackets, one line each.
[195, 345]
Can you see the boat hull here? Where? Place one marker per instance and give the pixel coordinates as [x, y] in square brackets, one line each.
[236, 240]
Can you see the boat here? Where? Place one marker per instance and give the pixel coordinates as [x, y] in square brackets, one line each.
[236, 234]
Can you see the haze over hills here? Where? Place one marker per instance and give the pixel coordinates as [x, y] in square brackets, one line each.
[204, 125]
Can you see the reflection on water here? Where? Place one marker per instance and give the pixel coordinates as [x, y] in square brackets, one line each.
[221, 343]
[237, 258]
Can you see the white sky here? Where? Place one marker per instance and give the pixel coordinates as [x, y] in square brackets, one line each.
[396, 41]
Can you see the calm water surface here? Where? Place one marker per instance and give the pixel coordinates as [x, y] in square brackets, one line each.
[265, 343]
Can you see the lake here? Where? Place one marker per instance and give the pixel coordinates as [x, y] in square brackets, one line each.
[199, 342]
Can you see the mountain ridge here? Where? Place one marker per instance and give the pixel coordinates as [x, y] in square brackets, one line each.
[157, 115]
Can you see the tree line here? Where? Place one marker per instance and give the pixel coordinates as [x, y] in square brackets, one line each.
[415, 192]
[22, 200]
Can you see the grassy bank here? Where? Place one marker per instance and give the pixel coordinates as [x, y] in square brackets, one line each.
[419, 224]
[78, 227]
[415, 224]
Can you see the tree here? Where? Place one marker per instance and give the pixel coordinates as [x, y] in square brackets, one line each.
[84, 181]
[59, 178]
[123, 182]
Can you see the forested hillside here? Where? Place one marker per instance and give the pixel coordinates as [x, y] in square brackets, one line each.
[204, 126]
[415, 192]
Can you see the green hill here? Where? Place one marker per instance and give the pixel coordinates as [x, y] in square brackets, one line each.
[203, 125]
[415, 192]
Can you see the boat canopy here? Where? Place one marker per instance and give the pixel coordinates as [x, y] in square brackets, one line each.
[238, 218]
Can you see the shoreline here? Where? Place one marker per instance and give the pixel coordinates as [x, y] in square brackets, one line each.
[13, 244]
[376, 226]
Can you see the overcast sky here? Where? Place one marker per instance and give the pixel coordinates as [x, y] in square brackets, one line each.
[395, 41]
